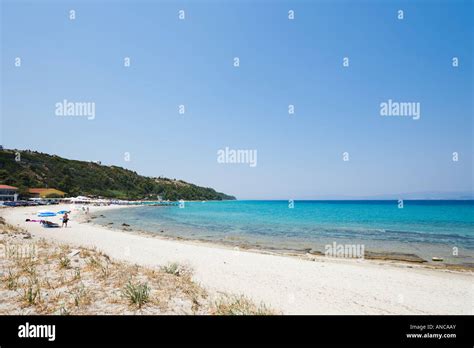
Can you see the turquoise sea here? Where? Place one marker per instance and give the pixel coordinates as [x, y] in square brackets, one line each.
[426, 228]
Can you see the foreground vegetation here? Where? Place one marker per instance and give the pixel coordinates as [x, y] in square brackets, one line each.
[35, 169]
[39, 277]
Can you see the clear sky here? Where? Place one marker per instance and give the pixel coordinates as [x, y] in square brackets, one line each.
[282, 62]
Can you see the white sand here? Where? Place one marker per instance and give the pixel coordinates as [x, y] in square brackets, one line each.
[289, 284]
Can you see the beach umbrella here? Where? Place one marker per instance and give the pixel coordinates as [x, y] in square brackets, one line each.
[46, 214]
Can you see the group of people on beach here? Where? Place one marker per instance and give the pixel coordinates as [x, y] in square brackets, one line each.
[47, 223]
[65, 219]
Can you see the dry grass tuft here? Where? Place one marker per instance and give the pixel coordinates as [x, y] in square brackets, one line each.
[64, 262]
[177, 269]
[239, 305]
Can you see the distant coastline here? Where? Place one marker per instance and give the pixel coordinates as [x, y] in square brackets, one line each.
[25, 169]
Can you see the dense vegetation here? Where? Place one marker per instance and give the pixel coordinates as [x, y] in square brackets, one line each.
[37, 169]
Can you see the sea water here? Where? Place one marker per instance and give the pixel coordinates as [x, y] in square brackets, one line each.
[426, 228]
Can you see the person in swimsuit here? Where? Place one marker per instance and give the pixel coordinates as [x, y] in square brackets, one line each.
[65, 220]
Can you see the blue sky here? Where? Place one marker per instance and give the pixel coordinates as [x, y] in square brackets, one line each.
[282, 62]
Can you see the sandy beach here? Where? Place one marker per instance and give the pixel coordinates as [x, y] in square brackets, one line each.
[292, 285]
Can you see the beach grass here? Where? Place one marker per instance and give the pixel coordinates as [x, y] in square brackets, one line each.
[240, 305]
[137, 294]
[176, 269]
[54, 280]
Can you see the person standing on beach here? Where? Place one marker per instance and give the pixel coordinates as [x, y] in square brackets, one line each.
[65, 220]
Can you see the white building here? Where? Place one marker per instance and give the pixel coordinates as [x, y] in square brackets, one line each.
[8, 193]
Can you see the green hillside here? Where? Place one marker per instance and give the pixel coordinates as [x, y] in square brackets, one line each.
[37, 169]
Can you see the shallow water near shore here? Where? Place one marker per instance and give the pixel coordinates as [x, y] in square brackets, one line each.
[425, 228]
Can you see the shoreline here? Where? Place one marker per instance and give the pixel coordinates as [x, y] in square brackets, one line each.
[305, 253]
[294, 284]
[370, 254]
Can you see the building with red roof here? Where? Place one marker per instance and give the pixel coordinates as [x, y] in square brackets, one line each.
[45, 192]
[8, 193]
